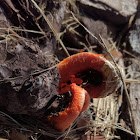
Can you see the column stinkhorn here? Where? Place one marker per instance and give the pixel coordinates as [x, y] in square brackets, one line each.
[85, 75]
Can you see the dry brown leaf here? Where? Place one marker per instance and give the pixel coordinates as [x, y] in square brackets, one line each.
[15, 135]
[115, 53]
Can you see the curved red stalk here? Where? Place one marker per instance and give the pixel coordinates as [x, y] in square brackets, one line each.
[67, 117]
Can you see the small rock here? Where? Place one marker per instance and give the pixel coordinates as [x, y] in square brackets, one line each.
[134, 37]
[97, 27]
[118, 11]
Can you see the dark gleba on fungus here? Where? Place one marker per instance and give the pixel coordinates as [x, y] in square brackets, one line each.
[85, 75]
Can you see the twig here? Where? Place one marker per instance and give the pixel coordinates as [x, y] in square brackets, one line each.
[10, 79]
[32, 74]
[42, 71]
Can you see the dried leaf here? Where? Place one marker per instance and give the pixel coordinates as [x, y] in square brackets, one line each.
[15, 135]
[115, 53]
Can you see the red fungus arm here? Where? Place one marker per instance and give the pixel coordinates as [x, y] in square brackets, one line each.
[67, 117]
[86, 103]
[84, 61]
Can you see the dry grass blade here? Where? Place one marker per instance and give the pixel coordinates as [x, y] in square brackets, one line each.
[51, 27]
[9, 117]
[119, 73]
[126, 92]
[32, 74]
[132, 81]
[105, 117]
[23, 30]
[68, 131]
